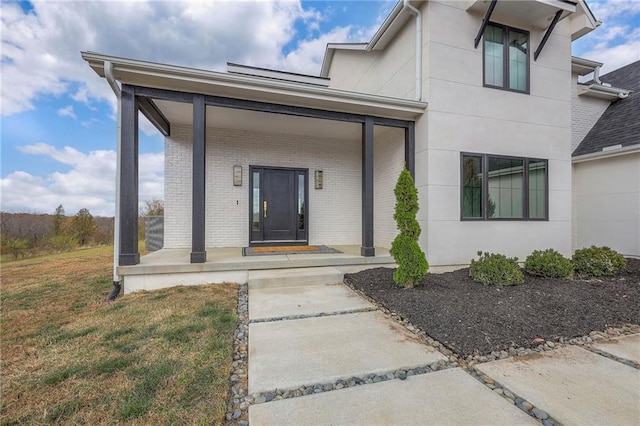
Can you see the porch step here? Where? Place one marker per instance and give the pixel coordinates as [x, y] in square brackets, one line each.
[294, 277]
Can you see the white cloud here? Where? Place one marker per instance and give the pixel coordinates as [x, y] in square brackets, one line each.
[41, 49]
[605, 10]
[90, 182]
[617, 42]
[67, 112]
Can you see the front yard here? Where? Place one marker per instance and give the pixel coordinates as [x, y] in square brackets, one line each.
[148, 358]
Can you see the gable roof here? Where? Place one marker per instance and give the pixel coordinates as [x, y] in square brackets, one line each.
[620, 123]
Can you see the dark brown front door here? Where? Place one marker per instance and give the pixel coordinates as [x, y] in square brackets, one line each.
[278, 203]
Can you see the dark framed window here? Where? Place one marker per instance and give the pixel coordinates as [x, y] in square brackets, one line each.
[495, 187]
[506, 58]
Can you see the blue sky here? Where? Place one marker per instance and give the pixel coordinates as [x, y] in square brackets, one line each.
[58, 123]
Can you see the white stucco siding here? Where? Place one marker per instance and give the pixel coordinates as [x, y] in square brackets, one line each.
[334, 211]
[607, 196]
[388, 72]
[464, 116]
[388, 159]
[584, 114]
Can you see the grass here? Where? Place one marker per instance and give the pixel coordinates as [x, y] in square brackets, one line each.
[149, 358]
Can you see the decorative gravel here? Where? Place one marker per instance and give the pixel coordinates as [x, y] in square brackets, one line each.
[482, 323]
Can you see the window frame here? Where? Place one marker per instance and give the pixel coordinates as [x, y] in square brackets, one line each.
[526, 215]
[505, 59]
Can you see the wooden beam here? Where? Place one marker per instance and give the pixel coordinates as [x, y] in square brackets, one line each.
[154, 115]
[367, 248]
[129, 254]
[198, 250]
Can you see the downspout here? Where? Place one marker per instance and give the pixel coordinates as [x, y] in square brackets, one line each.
[596, 78]
[596, 75]
[115, 291]
[416, 12]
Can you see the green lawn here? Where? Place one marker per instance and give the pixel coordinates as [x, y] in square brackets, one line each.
[149, 358]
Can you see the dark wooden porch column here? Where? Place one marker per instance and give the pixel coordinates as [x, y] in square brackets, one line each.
[129, 254]
[410, 149]
[367, 248]
[198, 251]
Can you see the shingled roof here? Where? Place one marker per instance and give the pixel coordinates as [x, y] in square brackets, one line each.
[620, 123]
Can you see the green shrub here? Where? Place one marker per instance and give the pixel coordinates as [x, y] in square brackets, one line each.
[412, 263]
[548, 264]
[15, 246]
[597, 262]
[496, 269]
[61, 243]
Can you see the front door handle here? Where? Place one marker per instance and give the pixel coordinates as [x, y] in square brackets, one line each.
[264, 208]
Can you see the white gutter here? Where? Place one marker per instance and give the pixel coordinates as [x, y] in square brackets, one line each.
[608, 90]
[416, 12]
[108, 73]
[606, 153]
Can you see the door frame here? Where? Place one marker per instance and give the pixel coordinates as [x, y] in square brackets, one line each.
[297, 242]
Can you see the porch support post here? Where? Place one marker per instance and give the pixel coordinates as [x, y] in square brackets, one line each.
[367, 248]
[198, 251]
[410, 149]
[129, 254]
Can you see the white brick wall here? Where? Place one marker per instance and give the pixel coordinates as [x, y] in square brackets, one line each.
[334, 212]
[388, 159]
[585, 111]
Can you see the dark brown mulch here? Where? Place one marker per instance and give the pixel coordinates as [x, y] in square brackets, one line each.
[470, 317]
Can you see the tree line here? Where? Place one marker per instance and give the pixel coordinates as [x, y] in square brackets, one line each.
[27, 233]
[23, 234]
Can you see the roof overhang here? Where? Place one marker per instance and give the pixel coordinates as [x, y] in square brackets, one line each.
[583, 66]
[532, 13]
[607, 152]
[191, 80]
[540, 13]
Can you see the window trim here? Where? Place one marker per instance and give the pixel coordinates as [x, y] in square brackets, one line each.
[505, 59]
[526, 214]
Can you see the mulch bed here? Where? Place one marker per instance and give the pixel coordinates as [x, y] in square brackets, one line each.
[472, 318]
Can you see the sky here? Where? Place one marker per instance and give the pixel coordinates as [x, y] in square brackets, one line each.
[58, 118]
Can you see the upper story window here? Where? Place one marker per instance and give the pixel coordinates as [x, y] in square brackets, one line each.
[506, 58]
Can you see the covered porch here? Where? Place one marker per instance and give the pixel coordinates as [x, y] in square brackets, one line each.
[228, 138]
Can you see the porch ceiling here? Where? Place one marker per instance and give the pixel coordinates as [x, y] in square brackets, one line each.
[229, 118]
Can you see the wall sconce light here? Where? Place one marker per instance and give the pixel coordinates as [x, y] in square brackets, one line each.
[318, 175]
[237, 175]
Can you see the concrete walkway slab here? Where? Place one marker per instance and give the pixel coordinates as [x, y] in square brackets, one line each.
[444, 397]
[575, 386]
[286, 354]
[627, 347]
[294, 277]
[307, 300]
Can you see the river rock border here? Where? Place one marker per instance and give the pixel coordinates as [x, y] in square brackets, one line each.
[238, 401]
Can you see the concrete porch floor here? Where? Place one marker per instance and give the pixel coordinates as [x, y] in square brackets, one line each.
[171, 267]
